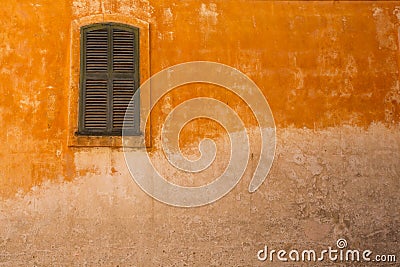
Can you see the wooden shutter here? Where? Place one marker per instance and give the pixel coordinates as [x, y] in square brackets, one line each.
[109, 79]
[124, 85]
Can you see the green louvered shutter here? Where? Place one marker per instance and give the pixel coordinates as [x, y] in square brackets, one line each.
[109, 79]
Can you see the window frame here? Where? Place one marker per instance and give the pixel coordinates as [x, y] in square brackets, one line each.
[109, 75]
[143, 140]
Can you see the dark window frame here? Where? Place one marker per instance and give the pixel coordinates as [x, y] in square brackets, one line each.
[111, 76]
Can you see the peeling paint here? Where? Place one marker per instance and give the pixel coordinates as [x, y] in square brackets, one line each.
[168, 16]
[392, 102]
[385, 29]
[28, 102]
[209, 13]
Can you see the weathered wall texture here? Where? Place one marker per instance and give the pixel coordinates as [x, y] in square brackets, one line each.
[330, 72]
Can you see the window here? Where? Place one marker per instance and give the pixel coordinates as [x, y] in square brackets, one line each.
[108, 80]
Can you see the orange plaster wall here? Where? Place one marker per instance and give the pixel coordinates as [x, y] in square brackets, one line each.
[33, 81]
[319, 64]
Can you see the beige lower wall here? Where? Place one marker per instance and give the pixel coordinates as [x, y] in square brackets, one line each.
[325, 184]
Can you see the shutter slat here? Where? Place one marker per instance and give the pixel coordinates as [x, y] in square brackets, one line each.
[123, 50]
[123, 91]
[97, 50]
